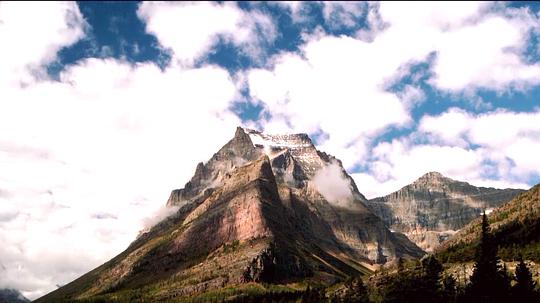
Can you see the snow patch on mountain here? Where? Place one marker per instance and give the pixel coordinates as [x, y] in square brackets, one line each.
[273, 144]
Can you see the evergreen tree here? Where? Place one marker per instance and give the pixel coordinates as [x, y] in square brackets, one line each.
[449, 289]
[489, 283]
[355, 292]
[523, 290]
[313, 295]
[432, 269]
[431, 274]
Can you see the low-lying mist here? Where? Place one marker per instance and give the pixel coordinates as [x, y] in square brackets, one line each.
[331, 182]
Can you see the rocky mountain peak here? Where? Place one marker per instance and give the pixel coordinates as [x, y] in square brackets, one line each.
[433, 180]
[434, 207]
[433, 175]
[264, 208]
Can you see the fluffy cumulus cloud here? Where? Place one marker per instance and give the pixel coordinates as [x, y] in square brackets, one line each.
[60, 24]
[508, 139]
[340, 85]
[326, 90]
[477, 44]
[191, 29]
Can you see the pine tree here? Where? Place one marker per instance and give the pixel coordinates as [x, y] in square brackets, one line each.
[523, 290]
[449, 289]
[431, 268]
[428, 283]
[313, 295]
[489, 283]
[356, 292]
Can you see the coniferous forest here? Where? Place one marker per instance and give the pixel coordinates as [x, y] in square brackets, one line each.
[425, 281]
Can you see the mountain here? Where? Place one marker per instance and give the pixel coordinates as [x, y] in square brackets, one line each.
[434, 207]
[8, 295]
[515, 226]
[264, 209]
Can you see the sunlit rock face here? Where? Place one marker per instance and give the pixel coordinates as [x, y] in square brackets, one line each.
[434, 207]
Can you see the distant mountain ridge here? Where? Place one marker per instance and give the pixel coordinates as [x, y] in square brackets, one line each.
[434, 207]
[8, 295]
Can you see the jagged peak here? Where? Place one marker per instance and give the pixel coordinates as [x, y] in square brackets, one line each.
[433, 176]
[241, 135]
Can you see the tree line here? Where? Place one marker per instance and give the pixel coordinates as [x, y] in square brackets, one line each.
[425, 282]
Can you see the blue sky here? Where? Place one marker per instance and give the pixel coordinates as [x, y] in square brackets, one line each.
[107, 106]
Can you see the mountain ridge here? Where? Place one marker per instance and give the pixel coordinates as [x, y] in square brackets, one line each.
[433, 207]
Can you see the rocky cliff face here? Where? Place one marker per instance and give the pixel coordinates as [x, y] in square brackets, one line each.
[434, 207]
[257, 211]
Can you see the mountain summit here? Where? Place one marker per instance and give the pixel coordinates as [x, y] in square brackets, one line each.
[264, 208]
[434, 207]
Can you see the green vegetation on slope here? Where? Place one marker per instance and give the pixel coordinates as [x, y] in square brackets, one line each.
[515, 227]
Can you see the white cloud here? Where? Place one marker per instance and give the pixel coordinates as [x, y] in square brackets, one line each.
[338, 85]
[343, 14]
[440, 15]
[326, 91]
[486, 55]
[502, 136]
[25, 49]
[297, 9]
[336, 14]
[449, 127]
[411, 96]
[333, 185]
[477, 44]
[192, 29]
[88, 157]
[496, 149]
[161, 213]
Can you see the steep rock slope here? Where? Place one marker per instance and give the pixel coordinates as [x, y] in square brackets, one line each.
[434, 207]
[255, 212]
